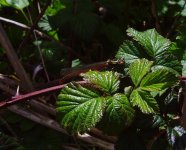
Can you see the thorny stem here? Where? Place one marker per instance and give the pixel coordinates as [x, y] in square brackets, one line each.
[21, 98]
[31, 95]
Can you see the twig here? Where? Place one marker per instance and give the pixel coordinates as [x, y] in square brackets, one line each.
[7, 89]
[67, 147]
[23, 43]
[9, 128]
[43, 35]
[154, 14]
[33, 103]
[36, 118]
[31, 95]
[14, 60]
[38, 47]
[175, 21]
[8, 81]
[99, 134]
[87, 138]
[54, 125]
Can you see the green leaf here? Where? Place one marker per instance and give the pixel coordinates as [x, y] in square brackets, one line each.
[108, 81]
[183, 62]
[158, 80]
[44, 24]
[138, 69]
[169, 62]
[129, 52]
[119, 109]
[8, 142]
[153, 43]
[81, 108]
[144, 101]
[18, 4]
[174, 133]
[54, 8]
[149, 121]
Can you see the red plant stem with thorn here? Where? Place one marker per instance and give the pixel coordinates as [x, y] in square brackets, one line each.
[21, 98]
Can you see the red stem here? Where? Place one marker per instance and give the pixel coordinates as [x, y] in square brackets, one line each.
[21, 98]
[96, 66]
[182, 77]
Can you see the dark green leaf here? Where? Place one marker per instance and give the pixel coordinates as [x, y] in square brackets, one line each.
[174, 133]
[108, 81]
[158, 80]
[153, 43]
[169, 62]
[144, 101]
[148, 121]
[81, 108]
[9, 143]
[129, 52]
[138, 69]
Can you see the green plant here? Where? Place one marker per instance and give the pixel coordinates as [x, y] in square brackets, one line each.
[115, 101]
[140, 102]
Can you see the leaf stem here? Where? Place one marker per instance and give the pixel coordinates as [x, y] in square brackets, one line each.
[24, 15]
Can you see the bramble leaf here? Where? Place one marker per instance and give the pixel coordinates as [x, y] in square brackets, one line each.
[128, 52]
[119, 109]
[108, 81]
[158, 80]
[81, 108]
[144, 101]
[138, 69]
[154, 43]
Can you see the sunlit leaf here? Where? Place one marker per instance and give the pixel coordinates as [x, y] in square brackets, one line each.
[54, 8]
[144, 101]
[18, 4]
[138, 69]
[154, 43]
[108, 81]
[81, 108]
[158, 80]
